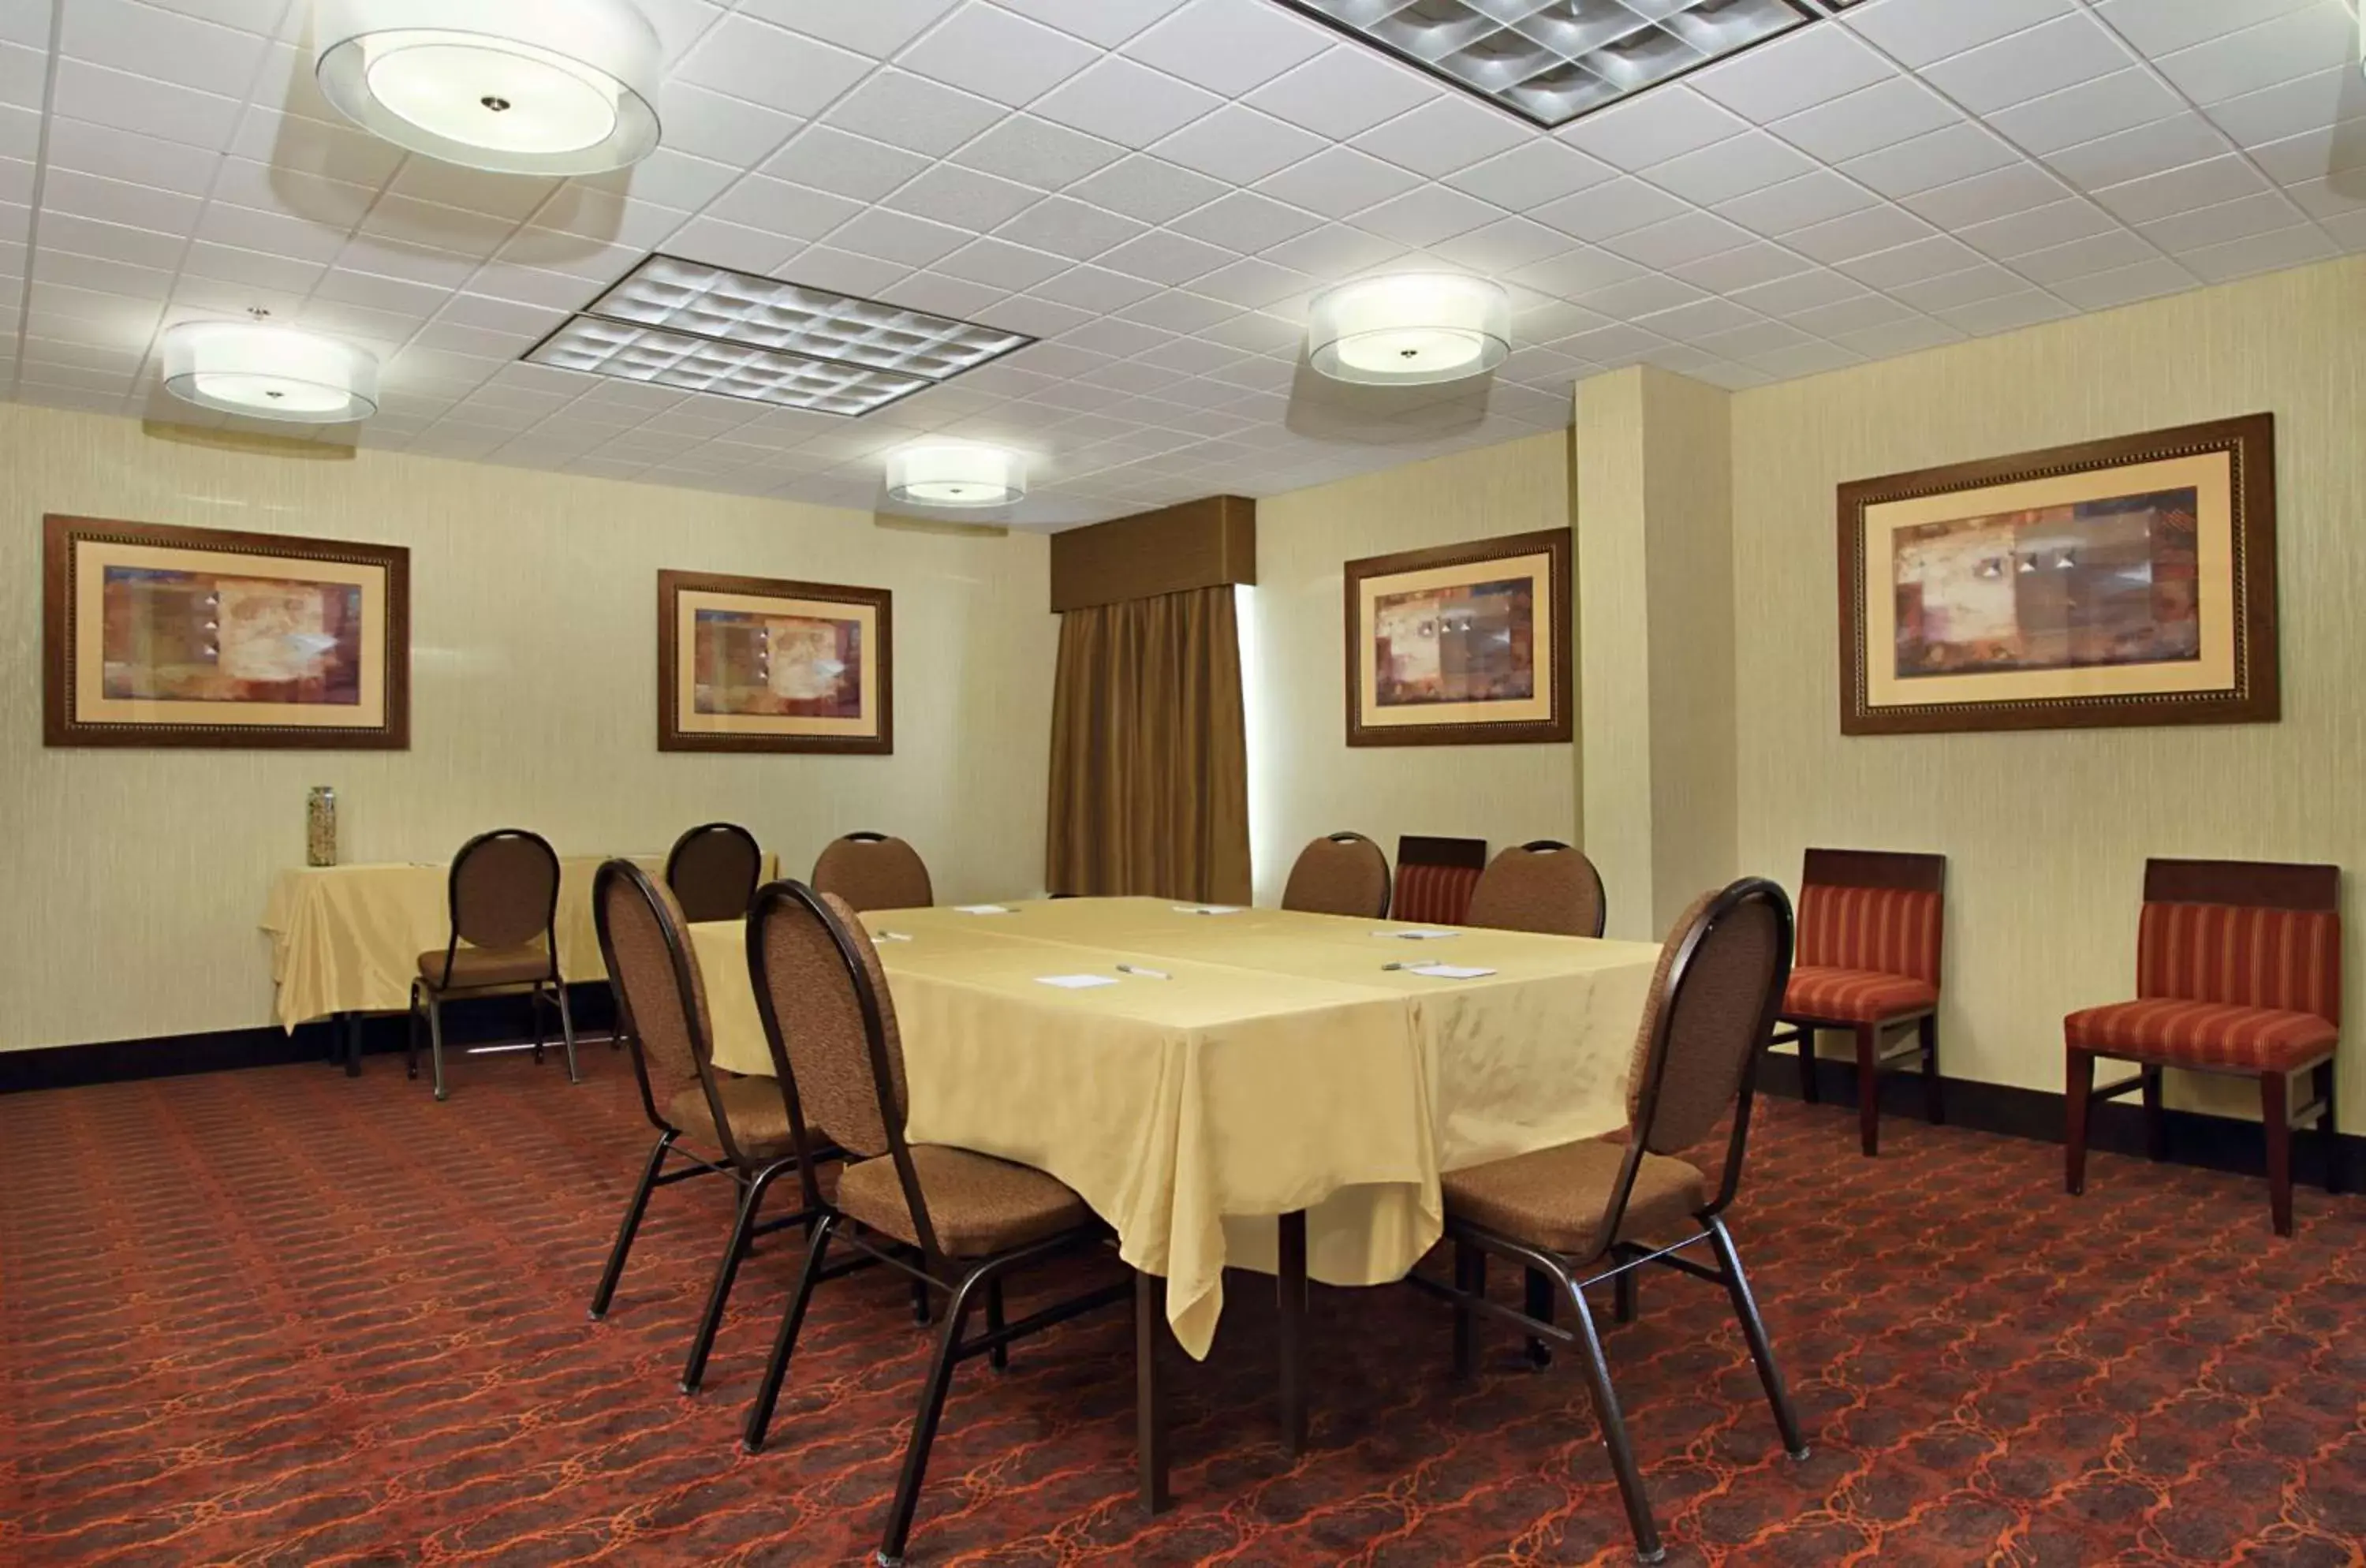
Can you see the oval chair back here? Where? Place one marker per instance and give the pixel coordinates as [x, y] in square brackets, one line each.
[1706, 1021]
[872, 871]
[1544, 886]
[661, 996]
[503, 893]
[713, 871]
[1340, 874]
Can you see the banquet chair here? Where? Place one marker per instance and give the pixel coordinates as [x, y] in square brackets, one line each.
[1870, 928]
[872, 871]
[1436, 878]
[503, 893]
[714, 1123]
[2238, 971]
[1587, 1213]
[1340, 874]
[713, 872]
[954, 1222]
[1544, 886]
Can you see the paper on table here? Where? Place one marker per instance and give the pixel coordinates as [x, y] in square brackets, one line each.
[1075, 982]
[1422, 935]
[980, 909]
[1207, 909]
[1449, 972]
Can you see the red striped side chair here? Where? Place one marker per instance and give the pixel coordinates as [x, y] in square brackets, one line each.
[1870, 924]
[1436, 878]
[2239, 970]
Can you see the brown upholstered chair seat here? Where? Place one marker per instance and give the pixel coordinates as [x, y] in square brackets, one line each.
[1854, 995]
[1556, 1197]
[485, 966]
[2207, 1035]
[760, 1117]
[977, 1203]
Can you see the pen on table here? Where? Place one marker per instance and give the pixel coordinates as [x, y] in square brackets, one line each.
[1145, 973]
[1387, 966]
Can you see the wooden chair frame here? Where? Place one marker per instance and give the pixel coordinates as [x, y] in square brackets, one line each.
[2247, 883]
[1569, 1275]
[964, 1281]
[753, 1177]
[1875, 1056]
[435, 994]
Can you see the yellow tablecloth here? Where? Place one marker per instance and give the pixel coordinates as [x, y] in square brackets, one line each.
[1280, 1067]
[347, 937]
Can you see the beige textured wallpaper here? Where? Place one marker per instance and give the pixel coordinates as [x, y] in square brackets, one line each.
[2046, 833]
[140, 874]
[1304, 780]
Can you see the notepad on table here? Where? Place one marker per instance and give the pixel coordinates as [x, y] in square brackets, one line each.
[1075, 982]
[981, 909]
[1449, 972]
[1420, 934]
[1207, 909]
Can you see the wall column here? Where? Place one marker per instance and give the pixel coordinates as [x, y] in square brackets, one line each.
[1655, 645]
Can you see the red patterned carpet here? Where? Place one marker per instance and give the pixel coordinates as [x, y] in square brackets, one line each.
[279, 1317]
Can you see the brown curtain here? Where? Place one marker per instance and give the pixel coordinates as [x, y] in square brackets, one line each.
[1150, 783]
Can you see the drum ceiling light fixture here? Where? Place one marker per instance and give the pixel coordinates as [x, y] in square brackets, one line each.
[1409, 329]
[955, 473]
[517, 87]
[269, 372]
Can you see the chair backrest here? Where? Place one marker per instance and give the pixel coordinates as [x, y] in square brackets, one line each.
[661, 996]
[872, 871]
[824, 1000]
[2252, 933]
[714, 870]
[1342, 873]
[1544, 886]
[1874, 909]
[1709, 1011]
[1436, 876]
[504, 890]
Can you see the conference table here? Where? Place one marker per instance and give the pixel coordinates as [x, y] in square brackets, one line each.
[1252, 1088]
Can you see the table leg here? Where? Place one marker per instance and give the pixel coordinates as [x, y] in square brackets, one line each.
[1290, 1282]
[348, 1047]
[1149, 1336]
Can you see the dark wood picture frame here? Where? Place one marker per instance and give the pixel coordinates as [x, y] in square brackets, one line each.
[671, 737]
[62, 725]
[2248, 445]
[1557, 673]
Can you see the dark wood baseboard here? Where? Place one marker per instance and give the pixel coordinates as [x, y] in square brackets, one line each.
[2213, 1143]
[480, 1021]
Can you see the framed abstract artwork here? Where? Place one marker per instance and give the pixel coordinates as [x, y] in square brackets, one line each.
[2125, 582]
[757, 664]
[156, 636]
[1461, 645]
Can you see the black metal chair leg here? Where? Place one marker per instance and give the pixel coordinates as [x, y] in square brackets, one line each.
[615, 1272]
[923, 1310]
[567, 1031]
[535, 1006]
[1934, 1091]
[411, 1036]
[768, 1392]
[999, 1357]
[1470, 1275]
[1614, 1431]
[694, 1370]
[924, 1424]
[1745, 1308]
[436, 1040]
[1540, 1307]
[2322, 1084]
[1625, 1296]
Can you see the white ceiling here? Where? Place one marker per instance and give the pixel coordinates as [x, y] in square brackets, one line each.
[1153, 188]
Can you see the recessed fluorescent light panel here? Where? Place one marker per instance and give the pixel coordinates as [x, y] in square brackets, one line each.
[703, 329]
[1552, 61]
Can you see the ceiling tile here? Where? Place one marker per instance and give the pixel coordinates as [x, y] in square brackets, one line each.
[715, 125]
[1252, 283]
[913, 112]
[1066, 227]
[1652, 127]
[2046, 58]
[1427, 215]
[897, 236]
[2125, 286]
[1929, 257]
[1339, 183]
[2017, 188]
[826, 158]
[2315, 155]
[2179, 190]
[2161, 27]
[875, 27]
[1918, 32]
[1678, 240]
[2236, 219]
[777, 207]
[1530, 176]
[170, 113]
[2083, 258]
[964, 197]
[2132, 155]
[2307, 103]
[1248, 222]
[1237, 145]
[733, 245]
[1344, 92]
[2104, 106]
[1148, 188]
[1723, 170]
[1038, 153]
[1334, 251]
[2038, 229]
[1741, 267]
[1616, 208]
[2005, 313]
[126, 156]
[1228, 46]
[159, 44]
[1108, 23]
[1443, 136]
[1123, 101]
[1797, 204]
[1092, 288]
[1938, 158]
[1002, 264]
[1814, 289]
[772, 67]
[1792, 73]
[1503, 246]
[1883, 115]
[1164, 257]
[1860, 234]
[2316, 38]
[989, 51]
